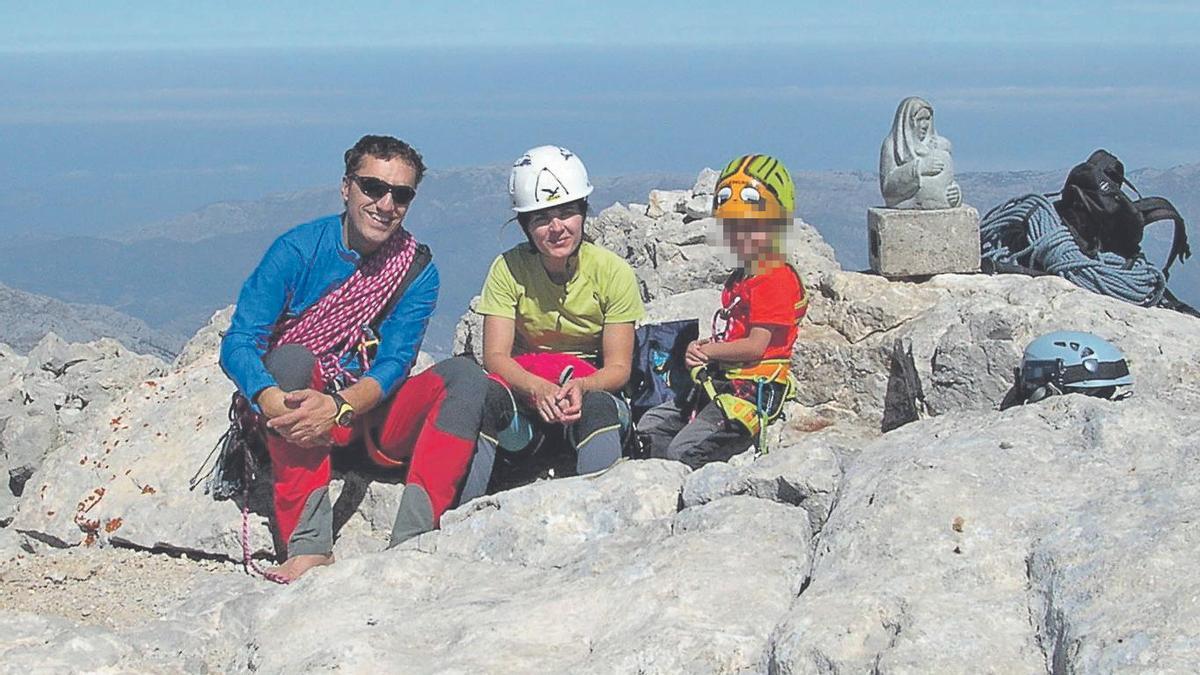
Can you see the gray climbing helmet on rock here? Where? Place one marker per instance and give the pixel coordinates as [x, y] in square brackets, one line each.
[1072, 361]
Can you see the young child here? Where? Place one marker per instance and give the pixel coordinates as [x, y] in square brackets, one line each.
[742, 374]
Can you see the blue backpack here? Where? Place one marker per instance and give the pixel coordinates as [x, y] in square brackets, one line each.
[658, 374]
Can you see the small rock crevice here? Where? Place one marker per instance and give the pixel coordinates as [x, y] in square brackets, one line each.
[59, 371]
[878, 331]
[894, 627]
[1045, 618]
[904, 399]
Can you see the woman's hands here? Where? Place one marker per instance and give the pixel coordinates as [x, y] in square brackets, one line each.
[561, 404]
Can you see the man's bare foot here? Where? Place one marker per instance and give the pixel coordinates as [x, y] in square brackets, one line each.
[295, 567]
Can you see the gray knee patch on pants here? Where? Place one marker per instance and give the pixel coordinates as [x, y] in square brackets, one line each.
[600, 411]
[597, 434]
[480, 473]
[314, 530]
[466, 387]
[291, 365]
[414, 517]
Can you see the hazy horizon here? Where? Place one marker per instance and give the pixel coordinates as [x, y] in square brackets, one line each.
[97, 142]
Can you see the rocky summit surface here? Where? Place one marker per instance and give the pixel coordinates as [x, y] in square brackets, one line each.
[901, 522]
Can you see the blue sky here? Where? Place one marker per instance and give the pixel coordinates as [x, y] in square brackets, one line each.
[137, 112]
[223, 24]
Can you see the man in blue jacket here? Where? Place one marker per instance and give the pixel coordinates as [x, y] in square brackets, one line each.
[321, 343]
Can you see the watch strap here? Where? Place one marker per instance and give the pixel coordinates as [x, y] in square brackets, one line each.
[345, 412]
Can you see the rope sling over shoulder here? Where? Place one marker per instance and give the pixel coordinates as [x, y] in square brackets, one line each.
[333, 328]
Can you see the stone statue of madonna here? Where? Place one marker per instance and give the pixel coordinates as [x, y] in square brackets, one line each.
[915, 167]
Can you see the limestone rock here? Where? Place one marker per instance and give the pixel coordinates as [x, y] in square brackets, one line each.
[619, 593]
[706, 182]
[207, 341]
[700, 303]
[46, 395]
[662, 202]
[891, 352]
[805, 474]
[126, 474]
[537, 524]
[699, 206]
[468, 334]
[123, 477]
[951, 535]
[56, 645]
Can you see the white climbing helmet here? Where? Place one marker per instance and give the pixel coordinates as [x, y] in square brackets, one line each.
[545, 176]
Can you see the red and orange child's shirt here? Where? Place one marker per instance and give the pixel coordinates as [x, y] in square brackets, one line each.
[773, 298]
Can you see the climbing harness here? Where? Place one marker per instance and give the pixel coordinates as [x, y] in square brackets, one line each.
[227, 476]
[1027, 232]
[768, 400]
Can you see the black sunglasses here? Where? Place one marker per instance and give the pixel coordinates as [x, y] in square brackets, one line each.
[376, 189]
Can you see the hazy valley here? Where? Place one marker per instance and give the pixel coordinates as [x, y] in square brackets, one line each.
[172, 275]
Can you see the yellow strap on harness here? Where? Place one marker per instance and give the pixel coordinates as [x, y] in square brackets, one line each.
[768, 370]
[750, 415]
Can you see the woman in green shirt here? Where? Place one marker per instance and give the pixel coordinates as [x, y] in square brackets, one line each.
[559, 314]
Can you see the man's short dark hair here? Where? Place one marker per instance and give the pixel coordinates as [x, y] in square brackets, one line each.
[385, 148]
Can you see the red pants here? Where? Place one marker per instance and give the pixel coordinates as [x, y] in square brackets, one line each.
[430, 424]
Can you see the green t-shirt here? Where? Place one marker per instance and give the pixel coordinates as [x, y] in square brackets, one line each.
[567, 317]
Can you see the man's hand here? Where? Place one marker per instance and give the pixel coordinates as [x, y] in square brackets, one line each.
[308, 420]
[270, 400]
[695, 355]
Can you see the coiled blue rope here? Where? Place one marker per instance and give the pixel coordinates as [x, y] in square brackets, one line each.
[1048, 246]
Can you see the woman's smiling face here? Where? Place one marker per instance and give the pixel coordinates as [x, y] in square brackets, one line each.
[557, 232]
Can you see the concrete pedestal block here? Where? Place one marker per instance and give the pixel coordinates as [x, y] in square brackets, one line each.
[913, 242]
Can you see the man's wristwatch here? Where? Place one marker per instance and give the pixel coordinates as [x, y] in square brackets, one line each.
[345, 412]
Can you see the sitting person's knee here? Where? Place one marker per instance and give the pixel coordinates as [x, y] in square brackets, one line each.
[499, 407]
[459, 368]
[600, 409]
[291, 365]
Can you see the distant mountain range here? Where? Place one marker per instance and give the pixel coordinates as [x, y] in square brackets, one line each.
[174, 274]
[25, 318]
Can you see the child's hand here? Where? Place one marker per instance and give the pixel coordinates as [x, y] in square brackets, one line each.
[695, 355]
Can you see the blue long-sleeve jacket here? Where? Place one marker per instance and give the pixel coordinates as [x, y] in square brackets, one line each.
[298, 269]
